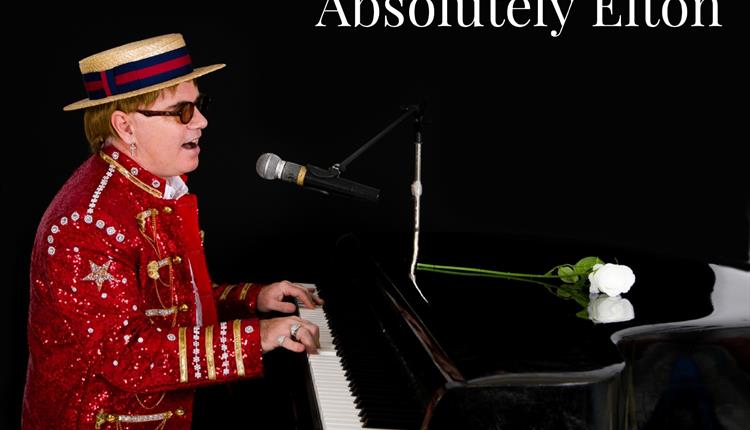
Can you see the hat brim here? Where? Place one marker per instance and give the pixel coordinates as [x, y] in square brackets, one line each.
[85, 103]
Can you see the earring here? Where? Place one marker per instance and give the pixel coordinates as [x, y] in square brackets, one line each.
[132, 149]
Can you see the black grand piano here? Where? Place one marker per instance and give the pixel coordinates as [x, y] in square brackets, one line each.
[455, 352]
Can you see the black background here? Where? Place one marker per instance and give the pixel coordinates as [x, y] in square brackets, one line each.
[626, 136]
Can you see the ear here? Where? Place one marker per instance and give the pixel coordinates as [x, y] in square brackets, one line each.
[123, 126]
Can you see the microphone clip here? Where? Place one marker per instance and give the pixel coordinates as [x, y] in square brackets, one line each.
[332, 172]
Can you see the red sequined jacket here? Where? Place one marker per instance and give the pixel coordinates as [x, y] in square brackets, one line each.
[124, 321]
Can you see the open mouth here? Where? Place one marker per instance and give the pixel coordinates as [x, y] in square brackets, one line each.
[190, 145]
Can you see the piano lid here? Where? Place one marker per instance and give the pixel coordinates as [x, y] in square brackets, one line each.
[494, 328]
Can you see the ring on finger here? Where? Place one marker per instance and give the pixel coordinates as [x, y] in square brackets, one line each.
[281, 339]
[294, 329]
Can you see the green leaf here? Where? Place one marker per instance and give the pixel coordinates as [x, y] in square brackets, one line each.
[567, 274]
[586, 264]
[583, 314]
[563, 292]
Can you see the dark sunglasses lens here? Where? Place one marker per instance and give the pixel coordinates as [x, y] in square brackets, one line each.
[186, 114]
[202, 103]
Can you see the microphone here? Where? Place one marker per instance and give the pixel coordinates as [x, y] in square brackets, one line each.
[270, 166]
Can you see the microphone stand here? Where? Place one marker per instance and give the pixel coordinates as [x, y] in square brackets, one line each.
[416, 192]
[409, 111]
[416, 111]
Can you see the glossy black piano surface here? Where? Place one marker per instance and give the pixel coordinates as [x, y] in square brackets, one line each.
[523, 357]
[490, 353]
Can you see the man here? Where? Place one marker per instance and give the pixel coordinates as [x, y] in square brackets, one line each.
[124, 322]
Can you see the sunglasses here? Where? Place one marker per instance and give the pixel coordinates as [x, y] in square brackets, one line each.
[185, 111]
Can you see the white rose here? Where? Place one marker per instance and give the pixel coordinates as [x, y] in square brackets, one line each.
[605, 309]
[611, 279]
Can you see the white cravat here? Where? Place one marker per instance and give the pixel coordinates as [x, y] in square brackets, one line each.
[175, 188]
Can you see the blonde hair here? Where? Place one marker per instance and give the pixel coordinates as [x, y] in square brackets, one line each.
[97, 119]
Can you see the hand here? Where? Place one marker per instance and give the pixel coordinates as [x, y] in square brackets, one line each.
[307, 337]
[271, 297]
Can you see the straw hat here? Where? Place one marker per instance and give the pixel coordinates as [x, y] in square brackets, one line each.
[137, 68]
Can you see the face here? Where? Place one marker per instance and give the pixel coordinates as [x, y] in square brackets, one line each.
[165, 146]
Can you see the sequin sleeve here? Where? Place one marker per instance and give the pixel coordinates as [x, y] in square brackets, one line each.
[156, 360]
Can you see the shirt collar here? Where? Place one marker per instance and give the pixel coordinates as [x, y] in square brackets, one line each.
[175, 188]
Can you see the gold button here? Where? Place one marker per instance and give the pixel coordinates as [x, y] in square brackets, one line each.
[184, 307]
[176, 259]
[111, 418]
[167, 210]
[179, 412]
[153, 269]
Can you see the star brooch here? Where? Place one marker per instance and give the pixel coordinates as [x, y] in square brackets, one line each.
[99, 274]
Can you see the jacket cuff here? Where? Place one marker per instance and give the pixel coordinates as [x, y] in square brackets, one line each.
[229, 351]
[251, 292]
[237, 300]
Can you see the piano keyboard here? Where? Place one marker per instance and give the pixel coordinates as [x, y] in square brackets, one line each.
[338, 409]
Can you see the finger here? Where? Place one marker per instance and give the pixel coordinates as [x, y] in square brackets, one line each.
[291, 345]
[301, 294]
[318, 301]
[314, 295]
[294, 330]
[312, 329]
[285, 307]
[281, 306]
[304, 337]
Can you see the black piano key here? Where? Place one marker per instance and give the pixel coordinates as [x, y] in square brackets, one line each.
[371, 366]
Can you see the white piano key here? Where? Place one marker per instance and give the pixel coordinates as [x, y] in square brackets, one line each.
[338, 410]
